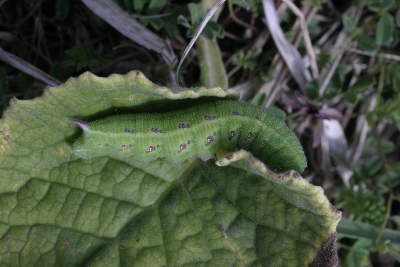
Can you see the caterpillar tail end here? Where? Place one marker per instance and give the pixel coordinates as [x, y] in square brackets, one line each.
[82, 124]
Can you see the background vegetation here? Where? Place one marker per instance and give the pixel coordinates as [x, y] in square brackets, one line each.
[346, 112]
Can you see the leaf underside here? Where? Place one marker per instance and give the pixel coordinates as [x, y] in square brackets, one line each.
[60, 210]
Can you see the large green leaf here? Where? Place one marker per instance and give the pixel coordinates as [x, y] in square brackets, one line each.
[60, 210]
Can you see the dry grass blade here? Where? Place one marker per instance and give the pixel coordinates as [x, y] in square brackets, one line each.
[125, 24]
[2, 2]
[306, 37]
[197, 34]
[373, 54]
[288, 52]
[338, 49]
[27, 68]
[338, 148]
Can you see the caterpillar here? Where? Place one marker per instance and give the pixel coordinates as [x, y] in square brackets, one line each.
[200, 131]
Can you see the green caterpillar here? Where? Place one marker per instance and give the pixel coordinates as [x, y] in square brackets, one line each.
[197, 131]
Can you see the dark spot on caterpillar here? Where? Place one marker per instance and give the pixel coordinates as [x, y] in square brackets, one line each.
[264, 142]
[183, 126]
[229, 157]
[249, 135]
[182, 147]
[123, 147]
[209, 140]
[156, 130]
[127, 130]
[232, 135]
[258, 118]
[100, 146]
[237, 113]
[151, 149]
[6, 239]
[210, 117]
[65, 244]
[7, 138]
